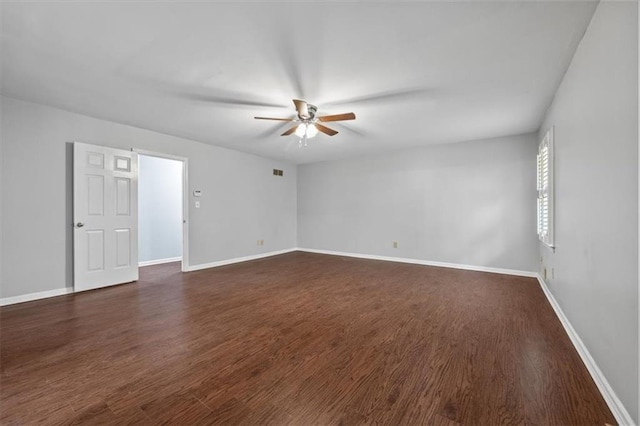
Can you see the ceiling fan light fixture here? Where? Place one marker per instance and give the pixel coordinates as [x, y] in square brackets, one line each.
[306, 129]
[312, 130]
[301, 130]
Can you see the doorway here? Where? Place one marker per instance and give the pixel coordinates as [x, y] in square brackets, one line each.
[162, 209]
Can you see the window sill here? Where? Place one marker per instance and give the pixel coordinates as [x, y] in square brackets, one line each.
[549, 246]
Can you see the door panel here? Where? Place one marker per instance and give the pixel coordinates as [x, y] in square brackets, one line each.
[123, 196]
[95, 250]
[95, 195]
[105, 209]
[123, 248]
[95, 159]
[122, 164]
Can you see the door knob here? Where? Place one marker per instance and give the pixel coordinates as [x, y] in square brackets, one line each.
[80, 224]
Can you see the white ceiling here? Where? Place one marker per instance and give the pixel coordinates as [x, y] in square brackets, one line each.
[414, 73]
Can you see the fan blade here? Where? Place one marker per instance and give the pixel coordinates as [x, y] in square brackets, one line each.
[290, 131]
[273, 118]
[224, 100]
[338, 117]
[325, 129]
[200, 92]
[417, 93]
[272, 129]
[301, 107]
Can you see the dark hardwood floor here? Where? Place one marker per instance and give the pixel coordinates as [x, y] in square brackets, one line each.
[296, 339]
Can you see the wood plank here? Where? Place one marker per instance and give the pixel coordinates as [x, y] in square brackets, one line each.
[299, 338]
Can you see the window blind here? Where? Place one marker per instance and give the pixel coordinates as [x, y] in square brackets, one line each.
[545, 189]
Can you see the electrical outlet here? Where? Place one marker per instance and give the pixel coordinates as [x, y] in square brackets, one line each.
[197, 204]
[395, 244]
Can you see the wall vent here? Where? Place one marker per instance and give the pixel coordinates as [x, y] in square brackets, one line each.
[277, 172]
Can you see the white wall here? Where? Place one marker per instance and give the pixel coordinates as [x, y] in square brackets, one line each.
[241, 200]
[159, 208]
[1, 199]
[595, 116]
[469, 203]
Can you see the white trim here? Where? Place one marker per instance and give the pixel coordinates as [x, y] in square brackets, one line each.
[158, 154]
[160, 261]
[238, 259]
[425, 262]
[185, 200]
[34, 296]
[615, 405]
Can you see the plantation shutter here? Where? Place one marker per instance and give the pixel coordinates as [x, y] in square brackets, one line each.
[545, 190]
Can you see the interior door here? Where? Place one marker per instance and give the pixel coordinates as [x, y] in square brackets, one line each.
[105, 212]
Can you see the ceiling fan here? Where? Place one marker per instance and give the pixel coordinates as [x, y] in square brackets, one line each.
[307, 123]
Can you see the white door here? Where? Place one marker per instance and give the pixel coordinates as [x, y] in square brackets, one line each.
[105, 214]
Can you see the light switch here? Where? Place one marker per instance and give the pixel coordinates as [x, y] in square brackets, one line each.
[197, 204]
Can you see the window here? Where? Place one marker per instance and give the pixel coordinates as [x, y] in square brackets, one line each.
[545, 189]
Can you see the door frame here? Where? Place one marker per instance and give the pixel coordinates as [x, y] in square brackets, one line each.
[185, 198]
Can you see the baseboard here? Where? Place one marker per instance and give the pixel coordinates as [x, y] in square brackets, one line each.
[34, 296]
[160, 261]
[615, 405]
[237, 260]
[425, 262]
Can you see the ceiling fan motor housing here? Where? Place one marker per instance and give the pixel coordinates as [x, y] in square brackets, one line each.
[312, 111]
